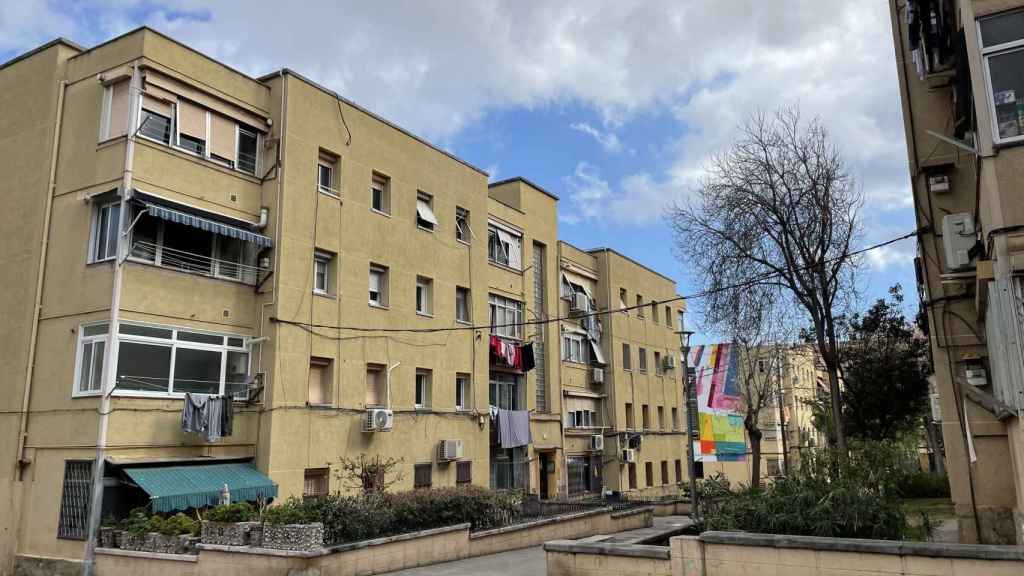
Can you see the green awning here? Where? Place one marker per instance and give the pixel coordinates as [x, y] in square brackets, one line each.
[180, 487]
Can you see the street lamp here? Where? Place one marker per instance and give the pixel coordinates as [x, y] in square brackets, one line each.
[690, 393]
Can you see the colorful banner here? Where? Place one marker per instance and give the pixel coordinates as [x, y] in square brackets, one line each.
[720, 420]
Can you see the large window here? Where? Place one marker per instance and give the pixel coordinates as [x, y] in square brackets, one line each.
[323, 263]
[573, 348]
[155, 126]
[92, 345]
[584, 474]
[462, 232]
[463, 306]
[319, 387]
[462, 392]
[161, 360]
[327, 180]
[105, 229]
[423, 380]
[424, 296]
[506, 391]
[504, 247]
[378, 285]
[1002, 47]
[506, 317]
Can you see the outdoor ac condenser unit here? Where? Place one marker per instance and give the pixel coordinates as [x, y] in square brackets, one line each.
[597, 442]
[958, 237]
[580, 302]
[670, 362]
[449, 450]
[597, 375]
[378, 420]
[629, 455]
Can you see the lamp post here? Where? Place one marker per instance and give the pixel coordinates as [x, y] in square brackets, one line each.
[689, 392]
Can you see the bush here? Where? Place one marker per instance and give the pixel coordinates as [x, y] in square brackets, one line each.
[237, 512]
[137, 521]
[292, 511]
[179, 525]
[923, 485]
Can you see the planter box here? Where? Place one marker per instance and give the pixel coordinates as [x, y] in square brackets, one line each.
[129, 541]
[164, 544]
[108, 537]
[299, 537]
[227, 533]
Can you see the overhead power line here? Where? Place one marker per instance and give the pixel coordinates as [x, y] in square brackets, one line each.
[696, 295]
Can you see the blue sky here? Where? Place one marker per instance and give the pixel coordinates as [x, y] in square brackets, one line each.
[612, 105]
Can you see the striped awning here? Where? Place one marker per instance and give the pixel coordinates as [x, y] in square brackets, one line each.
[178, 216]
[182, 487]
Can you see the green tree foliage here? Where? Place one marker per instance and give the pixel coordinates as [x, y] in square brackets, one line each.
[885, 372]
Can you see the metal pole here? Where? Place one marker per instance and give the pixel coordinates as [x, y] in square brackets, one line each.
[783, 431]
[691, 404]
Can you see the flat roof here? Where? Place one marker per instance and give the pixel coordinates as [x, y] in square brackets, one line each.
[624, 257]
[42, 47]
[525, 181]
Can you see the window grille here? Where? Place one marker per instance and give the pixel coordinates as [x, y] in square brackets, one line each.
[75, 500]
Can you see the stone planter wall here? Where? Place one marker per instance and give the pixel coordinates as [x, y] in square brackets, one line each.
[128, 541]
[300, 537]
[227, 533]
[108, 537]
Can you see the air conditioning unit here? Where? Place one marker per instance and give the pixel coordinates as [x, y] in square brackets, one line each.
[669, 362]
[449, 450]
[378, 420]
[597, 375]
[958, 237]
[976, 375]
[629, 455]
[597, 442]
[580, 302]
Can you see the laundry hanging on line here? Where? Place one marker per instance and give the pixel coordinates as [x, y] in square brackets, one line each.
[211, 416]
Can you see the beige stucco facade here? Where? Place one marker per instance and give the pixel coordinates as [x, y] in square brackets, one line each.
[966, 163]
[256, 214]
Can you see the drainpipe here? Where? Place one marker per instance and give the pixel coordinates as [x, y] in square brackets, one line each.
[20, 461]
[110, 360]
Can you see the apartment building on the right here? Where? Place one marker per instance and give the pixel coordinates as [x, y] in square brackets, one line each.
[961, 79]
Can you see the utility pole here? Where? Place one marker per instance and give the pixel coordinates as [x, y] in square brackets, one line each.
[782, 430]
[690, 393]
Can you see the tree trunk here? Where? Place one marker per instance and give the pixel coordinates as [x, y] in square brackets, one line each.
[755, 456]
[933, 442]
[834, 390]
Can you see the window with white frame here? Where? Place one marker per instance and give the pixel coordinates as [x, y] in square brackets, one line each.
[423, 379]
[323, 264]
[156, 126]
[92, 345]
[424, 296]
[462, 232]
[378, 285]
[1002, 47]
[504, 247]
[114, 116]
[161, 360]
[425, 217]
[105, 229]
[462, 391]
[506, 391]
[327, 180]
[574, 349]
[506, 317]
[380, 193]
[463, 305]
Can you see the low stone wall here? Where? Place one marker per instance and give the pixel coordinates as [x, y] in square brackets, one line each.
[373, 556]
[570, 558]
[671, 508]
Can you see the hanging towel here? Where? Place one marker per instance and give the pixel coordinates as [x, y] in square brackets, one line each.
[214, 413]
[194, 413]
[528, 361]
[211, 416]
[227, 419]
[513, 428]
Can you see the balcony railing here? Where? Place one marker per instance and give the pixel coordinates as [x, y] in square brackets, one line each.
[202, 265]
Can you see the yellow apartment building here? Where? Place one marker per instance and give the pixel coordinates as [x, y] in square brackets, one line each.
[335, 283]
[962, 96]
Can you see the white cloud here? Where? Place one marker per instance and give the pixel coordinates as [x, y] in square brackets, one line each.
[608, 140]
[886, 256]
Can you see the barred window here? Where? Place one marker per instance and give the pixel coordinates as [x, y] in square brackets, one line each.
[463, 472]
[664, 471]
[422, 475]
[316, 483]
[75, 500]
[649, 473]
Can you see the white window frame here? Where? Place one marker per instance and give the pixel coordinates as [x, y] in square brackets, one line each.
[423, 382]
[424, 223]
[463, 390]
[385, 193]
[172, 119]
[83, 341]
[504, 249]
[105, 111]
[382, 292]
[574, 348]
[987, 53]
[468, 305]
[424, 296]
[505, 311]
[463, 233]
[321, 165]
[174, 343]
[322, 259]
[94, 233]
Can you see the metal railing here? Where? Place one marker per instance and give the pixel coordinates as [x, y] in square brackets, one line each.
[173, 259]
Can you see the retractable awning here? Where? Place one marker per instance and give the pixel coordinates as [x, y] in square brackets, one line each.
[180, 215]
[598, 357]
[181, 487]
[424, 212]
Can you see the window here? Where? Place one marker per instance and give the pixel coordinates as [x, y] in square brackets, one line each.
[323, 272]
[105, 230]
[380, 193]
[155, 126]
[642, 359]
[316, 482]
[668, 316]
[424, 296]
[202, 363]
[462, 390]
[773, 467]
[378, 285]
[376, 385]
[423, 378]
[1002, 47]
[639, 306]
[627, 360]
[192, 126]
[675, 419]
[114, 116]
[75, 500]
[463, 472]
[657, 363]
[630, 418]
[649, 473]
[654, 311]
[327, 174]
[506, 317]
[506, 391]
[632, 475]
[248, 146]
[462, 231]
[319, 385]
[622, 299]
[698, 469]
[682, 321]
[645, 416]
[664, 472]
[92, 345]
[579, 473]
[504, 247]
[421, 474]
[463, 306]
[679, 471]
[574, 348]
[425, 218]
[661, 417]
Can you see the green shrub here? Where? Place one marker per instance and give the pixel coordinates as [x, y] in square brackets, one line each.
[923, 485]
[292, 511]
[179, 525]
[237, 512]
[137, 521]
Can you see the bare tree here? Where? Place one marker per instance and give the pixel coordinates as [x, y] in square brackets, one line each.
[369, 474]
[777, 211]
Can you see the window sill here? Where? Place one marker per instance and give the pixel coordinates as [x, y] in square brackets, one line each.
[327, 295]
[430, 230]
[331, 193]
[464, 322]
[503, 266]
[463, 242]
[379, 306]
[380, 212]
[424, 314]
[91, 394]
[103, 261]
[319, 406]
